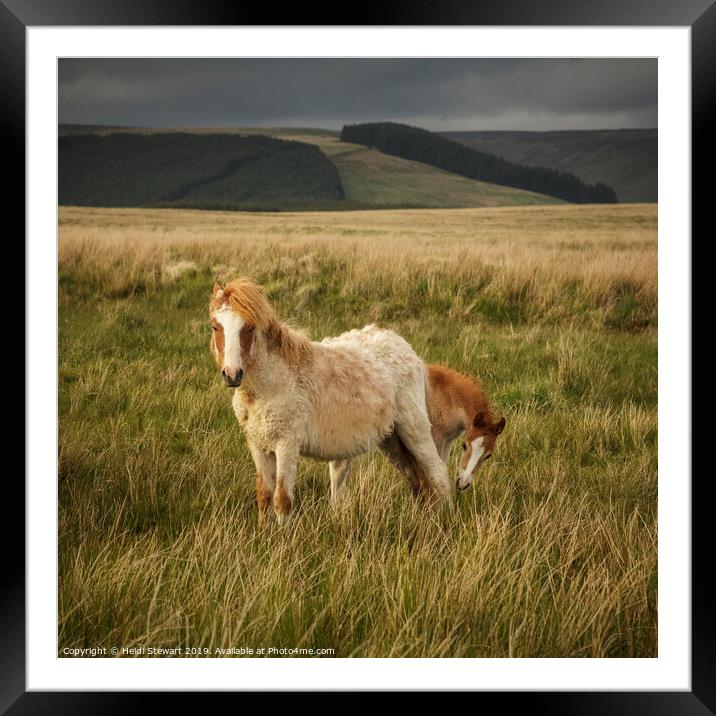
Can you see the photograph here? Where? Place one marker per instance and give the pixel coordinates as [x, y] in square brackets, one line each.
[357, 357]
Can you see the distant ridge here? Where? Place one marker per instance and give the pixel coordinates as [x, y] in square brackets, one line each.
[105, 174]
[437, 150]
[625, 159]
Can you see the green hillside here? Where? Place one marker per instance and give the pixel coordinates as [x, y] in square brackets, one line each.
[373, 178]
[209, 171]
[369, 178]
[625, 159]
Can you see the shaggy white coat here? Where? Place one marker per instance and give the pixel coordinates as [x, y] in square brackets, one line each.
[342, 398]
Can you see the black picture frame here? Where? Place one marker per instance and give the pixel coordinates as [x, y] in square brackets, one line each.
[17, 15]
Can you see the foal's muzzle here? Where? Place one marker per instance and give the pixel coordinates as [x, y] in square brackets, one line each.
[232, 379]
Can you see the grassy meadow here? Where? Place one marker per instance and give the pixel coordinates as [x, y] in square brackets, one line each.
[551, 553]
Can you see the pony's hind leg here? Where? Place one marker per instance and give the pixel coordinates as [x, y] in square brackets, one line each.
[339, 470]
[417, 438]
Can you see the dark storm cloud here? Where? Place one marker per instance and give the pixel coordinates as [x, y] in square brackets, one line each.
[436, 94]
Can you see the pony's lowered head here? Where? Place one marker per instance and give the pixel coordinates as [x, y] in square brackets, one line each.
[478, 446]
[244, 323]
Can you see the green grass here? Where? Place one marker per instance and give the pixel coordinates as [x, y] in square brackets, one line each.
[552, 553]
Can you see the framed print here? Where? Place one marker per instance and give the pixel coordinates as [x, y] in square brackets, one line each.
[398, 255]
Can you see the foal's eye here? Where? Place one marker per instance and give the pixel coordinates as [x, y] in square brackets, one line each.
[488, 456]
[464, 446]
[214, 328]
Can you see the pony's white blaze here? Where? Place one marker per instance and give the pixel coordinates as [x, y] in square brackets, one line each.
[232, 324]
[477, 451]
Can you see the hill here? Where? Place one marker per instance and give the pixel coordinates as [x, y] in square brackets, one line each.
[209, 171]
[373, 178]
[625, 159]
[369, 178]
[431, 148]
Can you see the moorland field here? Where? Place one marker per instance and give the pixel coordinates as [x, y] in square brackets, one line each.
[551, 553]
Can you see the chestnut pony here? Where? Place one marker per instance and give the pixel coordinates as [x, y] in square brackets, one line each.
[456, 405]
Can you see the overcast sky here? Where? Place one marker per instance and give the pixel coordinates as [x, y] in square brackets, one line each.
[469, 94]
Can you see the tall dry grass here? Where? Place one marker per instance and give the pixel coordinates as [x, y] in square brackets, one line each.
[595, 264]
[551, 553]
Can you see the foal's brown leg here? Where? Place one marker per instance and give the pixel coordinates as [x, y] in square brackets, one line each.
[420, 484]
[432, 470]
[401, 458]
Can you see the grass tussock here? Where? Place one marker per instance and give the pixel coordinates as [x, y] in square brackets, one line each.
[551, 553]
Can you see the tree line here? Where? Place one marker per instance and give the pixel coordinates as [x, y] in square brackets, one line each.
[194, 171]
[420, 145]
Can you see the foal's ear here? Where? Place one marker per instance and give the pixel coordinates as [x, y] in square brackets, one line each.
[499, 426]
[217, 287]
[479, 420]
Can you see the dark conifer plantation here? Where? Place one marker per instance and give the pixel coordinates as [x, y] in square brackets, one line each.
[422, 146]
